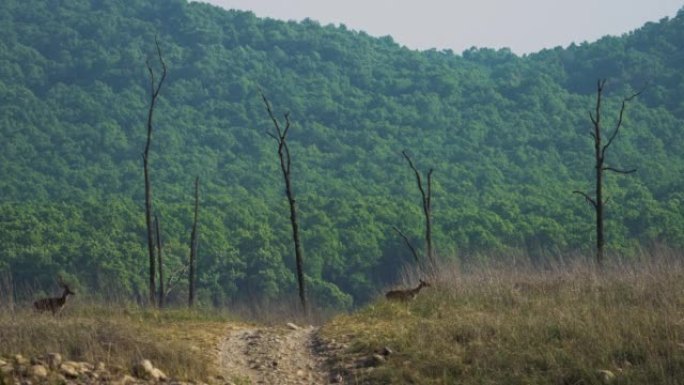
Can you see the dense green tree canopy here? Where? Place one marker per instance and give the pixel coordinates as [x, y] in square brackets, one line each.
[508, 138]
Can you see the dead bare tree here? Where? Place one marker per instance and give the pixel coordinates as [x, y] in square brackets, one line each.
[426, 194]
[155, 87]
[600, 155]
[193, 249]
[286, 166]
[160, 262]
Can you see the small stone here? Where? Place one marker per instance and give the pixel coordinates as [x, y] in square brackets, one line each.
[292, 326]
[69, 369]
[377, 360]
[6, 369]
[20, 360]
[606, 376]
[145, 370]
[38, 371]
[158, 375]
[53, 360]
[300, 373]
[9, 381]
[125, 380]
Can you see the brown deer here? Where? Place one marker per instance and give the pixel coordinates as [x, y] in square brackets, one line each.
[55, 304]
[406, 295]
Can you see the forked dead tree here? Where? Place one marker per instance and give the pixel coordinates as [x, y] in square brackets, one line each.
[286, 166]
[54, 304]
[600, 155]
[155, 87]
[194, 245]
[426, 194]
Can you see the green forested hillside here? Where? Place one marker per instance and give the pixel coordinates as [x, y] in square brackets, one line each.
[508, 138]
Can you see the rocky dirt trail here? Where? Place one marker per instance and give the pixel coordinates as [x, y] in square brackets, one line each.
[288, 355]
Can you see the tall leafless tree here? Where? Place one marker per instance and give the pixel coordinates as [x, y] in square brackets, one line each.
[193, 249]
[426, 194]
[286, 166]
[600, 156]
[155, 87]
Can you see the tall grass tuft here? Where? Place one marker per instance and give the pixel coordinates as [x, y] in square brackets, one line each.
[505, 324]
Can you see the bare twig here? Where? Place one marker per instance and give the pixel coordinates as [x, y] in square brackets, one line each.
[408, 243]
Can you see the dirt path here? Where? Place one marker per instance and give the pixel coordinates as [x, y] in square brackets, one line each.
[273, 356]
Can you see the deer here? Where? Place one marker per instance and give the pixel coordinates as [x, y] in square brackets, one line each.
[406, 295]
[55, 304]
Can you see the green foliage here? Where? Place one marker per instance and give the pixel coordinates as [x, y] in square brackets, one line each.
[506, 135]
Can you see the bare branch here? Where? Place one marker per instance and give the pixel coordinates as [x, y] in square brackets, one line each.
[287, 148]
[596, 119]
[415, 170]
[175, 277]
[593, 119]
[163, 63]
[408, 243]
[287, 123]
[429, 189]
[619, 121]
[619, 171]
[586, 196]
[276, 125]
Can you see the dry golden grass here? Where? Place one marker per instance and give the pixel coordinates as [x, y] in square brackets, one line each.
[180, 342]
[506, 325]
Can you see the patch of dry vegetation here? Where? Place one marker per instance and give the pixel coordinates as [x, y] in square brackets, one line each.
[504, 325]
[181, 342]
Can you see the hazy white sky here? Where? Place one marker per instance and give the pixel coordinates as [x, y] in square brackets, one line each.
[524, 26]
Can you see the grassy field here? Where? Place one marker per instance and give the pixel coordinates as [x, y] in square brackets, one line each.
[508, 325]
[568, 324]
[180, 342]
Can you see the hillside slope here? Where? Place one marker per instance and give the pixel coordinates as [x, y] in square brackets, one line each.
[506, 135]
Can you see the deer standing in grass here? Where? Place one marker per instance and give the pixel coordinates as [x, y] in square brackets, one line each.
[55, 304]
[406, 295]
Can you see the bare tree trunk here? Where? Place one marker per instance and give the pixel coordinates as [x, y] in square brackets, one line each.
[154, 94]
[193, 249]
[160, 262]
[285, 165]
[426, 194]
[600, 157]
